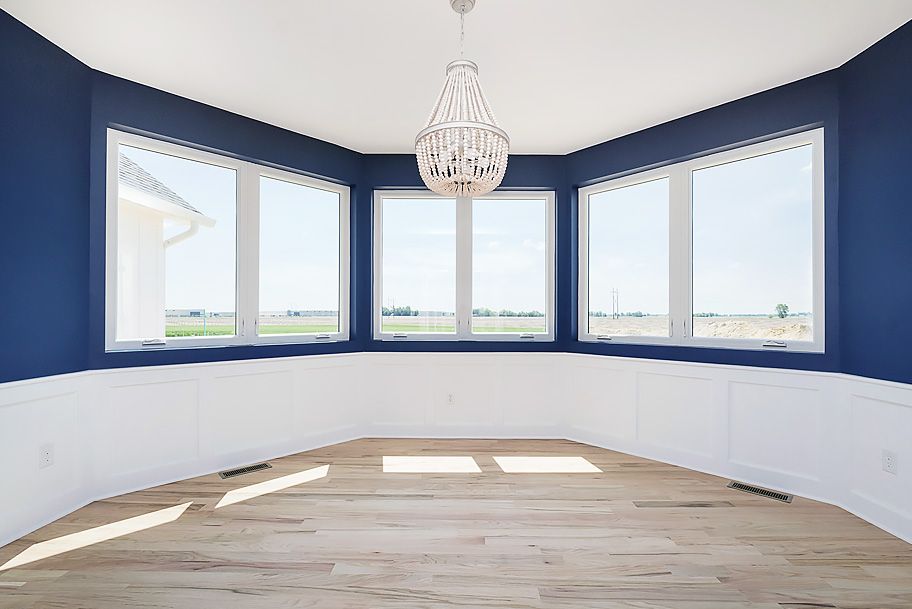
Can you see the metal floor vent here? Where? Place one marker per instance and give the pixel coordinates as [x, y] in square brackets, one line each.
[247, 469]
[763, 492]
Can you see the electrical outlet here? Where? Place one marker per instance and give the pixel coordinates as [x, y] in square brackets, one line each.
[889, 461]
[45, 456]
[451, 399]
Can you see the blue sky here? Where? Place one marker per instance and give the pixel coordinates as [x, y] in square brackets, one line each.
[752, 244]
[299, 247]
[752, 239]
[299, 240]
[509, 249]
[628, 248]
[419, 253]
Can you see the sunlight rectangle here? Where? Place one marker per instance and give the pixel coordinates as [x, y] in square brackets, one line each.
[429, 465]
[270, 486]
[546, 465]
[74, 541]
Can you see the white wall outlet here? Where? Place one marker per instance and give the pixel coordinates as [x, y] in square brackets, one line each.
[45, 456]
[888, 458]
[451, 399]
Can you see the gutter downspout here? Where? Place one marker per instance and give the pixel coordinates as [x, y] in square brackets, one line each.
[194, 228]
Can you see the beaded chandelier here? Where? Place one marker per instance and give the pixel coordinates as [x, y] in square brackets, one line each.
[462, 152]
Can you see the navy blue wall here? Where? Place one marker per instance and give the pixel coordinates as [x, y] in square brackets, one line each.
[811, 102]
[55, 112]
[875, 224]
[44, 213]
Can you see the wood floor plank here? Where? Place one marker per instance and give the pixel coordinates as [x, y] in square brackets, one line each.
[637, 535]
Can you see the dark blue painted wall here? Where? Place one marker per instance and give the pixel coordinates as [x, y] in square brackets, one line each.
[55, 111]
[812, 102]
[44, 213]
[875, 223]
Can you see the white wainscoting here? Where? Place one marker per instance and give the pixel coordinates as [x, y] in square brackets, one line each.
[113, 431]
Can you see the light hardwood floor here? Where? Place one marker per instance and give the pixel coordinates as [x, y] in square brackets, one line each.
[639, 535]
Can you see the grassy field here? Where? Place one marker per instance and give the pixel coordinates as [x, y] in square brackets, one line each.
[225, 326]
[793, 327]
[448, 324]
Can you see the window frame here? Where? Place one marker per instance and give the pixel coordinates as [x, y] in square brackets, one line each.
[680, 223]
[247, 289]
[464, 275]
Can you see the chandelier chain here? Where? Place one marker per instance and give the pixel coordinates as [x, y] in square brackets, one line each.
[462, 33]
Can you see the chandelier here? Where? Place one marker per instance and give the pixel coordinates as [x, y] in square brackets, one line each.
[462, 152]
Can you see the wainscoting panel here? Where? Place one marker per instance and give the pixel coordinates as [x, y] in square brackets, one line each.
[676, 413]
[145, 426]
[774, 428]
[34, 414]
[879, 425]
[113, 431]
[605, 399]
[246, 411]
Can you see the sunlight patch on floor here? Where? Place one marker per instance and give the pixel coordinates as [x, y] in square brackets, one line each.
[545, 465]
[270, 486]
[74, 541]
[429, 465]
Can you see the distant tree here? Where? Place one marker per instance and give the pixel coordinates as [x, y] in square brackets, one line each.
[405, 311]
[782, 310]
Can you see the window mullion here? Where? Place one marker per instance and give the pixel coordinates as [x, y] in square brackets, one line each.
[582, 250]
[463, 267]
[679, 252]
[377, 279]
[248, 252]
[686, 252]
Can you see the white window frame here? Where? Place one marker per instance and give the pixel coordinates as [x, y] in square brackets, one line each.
[680, 221]
[247, 292]
[464, 278]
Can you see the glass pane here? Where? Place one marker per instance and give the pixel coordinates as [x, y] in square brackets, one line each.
[419, 266]
[176, 247]
[299, 259]
[628, 260]
[752, 248]
[509, 265]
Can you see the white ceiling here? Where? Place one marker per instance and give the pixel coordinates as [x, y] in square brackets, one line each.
[560, 75]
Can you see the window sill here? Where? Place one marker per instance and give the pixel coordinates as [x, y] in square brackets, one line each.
[223, 345]
[730, 344]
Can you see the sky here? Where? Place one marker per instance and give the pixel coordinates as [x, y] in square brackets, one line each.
[419, 254]
[508, 261]
[752, 239]
[752, 246]
[299, 240]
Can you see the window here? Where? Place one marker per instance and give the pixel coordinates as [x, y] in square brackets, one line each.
[628, 245]
[722, 251]
[300, 258]
[419, 266]
[206, 250]
[463, 269]
[510, 291]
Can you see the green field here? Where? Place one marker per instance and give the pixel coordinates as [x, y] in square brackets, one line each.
[177, 327]
[185, 331]
[515, 325]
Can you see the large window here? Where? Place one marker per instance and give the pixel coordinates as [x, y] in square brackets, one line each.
[475, 269]
[724, 250]
[206, 250]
